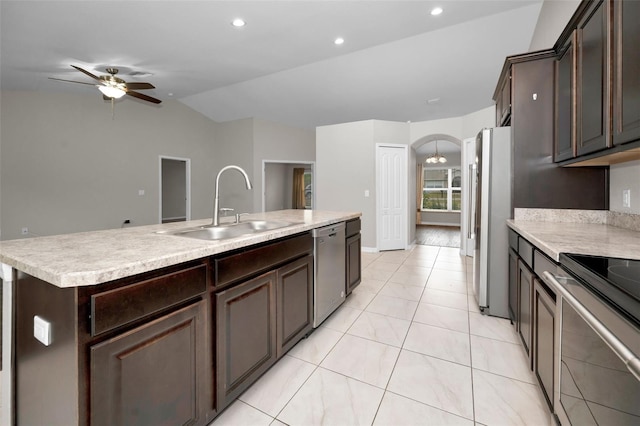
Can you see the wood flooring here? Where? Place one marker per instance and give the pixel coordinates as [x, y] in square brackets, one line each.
[443, 236]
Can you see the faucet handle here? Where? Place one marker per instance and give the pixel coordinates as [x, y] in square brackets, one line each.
[226, 210]
[239, 215]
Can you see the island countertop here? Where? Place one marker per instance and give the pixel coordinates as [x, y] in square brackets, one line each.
[593, 239]
[89, 258]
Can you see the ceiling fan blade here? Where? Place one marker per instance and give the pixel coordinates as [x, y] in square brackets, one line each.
[139, 86]
[143, 97]
[95, 77]
[72, 81]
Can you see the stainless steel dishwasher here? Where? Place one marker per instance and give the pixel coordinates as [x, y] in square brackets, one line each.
[328, 270]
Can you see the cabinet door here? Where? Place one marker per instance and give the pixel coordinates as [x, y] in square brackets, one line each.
[544, 339]
[245, 335]
[626, 71]
[513, 288]
[525, 291]
[295, 303]
[592, 99]
[353, 262]
[505, 116]
[564, 92]
[153, 375]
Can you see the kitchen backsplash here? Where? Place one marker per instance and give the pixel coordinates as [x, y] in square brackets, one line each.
[617, 219]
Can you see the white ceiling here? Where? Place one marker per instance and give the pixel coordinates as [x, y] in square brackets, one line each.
[282, 66]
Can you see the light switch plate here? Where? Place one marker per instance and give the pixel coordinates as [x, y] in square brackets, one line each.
[626, 198]
[42, 330]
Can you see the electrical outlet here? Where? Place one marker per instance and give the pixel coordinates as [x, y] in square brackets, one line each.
[25, 231]
[626, 198]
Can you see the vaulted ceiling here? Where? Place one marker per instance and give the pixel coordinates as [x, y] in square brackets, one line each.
[397, 62]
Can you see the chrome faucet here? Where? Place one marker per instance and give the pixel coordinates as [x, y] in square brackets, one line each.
[216, 210]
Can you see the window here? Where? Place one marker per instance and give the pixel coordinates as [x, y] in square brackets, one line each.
[441, 189]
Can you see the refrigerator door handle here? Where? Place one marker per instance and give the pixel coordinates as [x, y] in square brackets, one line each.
[470, 197]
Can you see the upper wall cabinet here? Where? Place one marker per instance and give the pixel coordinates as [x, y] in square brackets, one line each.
[598, 85]
[626, 71]
[502, 97]
[592, 78]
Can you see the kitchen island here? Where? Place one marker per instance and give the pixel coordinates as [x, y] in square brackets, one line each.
[139, 325]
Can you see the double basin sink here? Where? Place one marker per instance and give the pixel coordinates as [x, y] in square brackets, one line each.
[234, 230]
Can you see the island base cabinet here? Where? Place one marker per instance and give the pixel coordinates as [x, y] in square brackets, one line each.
[246, 335]
[152, 375]
[525, 291]
[295, 302]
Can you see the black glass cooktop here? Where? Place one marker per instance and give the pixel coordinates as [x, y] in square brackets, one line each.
[616, 280]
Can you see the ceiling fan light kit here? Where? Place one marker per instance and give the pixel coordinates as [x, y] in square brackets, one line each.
[113, 87]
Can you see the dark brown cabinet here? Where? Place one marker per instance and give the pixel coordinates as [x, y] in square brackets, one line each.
[544, 308]
[592, 87]
[538, 182]
[153, 374]
[626, 71]
[513, 287]
[503, 102]
[525, 291]
[263, 298]
[245, 335]
[565, 110]
[353, 255]
[294, 311]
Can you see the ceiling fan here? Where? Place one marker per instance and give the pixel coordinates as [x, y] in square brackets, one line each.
[113, 87]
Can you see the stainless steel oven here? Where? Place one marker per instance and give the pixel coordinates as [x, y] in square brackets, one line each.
[599, 340]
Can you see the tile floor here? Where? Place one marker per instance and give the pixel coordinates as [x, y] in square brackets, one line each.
[409, 346]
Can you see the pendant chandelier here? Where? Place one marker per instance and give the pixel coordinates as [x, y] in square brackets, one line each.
[436, 158]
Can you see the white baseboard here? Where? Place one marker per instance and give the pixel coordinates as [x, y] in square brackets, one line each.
[369, 249]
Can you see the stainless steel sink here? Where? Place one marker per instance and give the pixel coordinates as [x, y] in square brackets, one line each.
[234, 230]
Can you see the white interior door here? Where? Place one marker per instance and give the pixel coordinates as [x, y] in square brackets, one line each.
[392, 184]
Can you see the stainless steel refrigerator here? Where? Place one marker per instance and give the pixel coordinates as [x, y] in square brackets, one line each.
[491, 209]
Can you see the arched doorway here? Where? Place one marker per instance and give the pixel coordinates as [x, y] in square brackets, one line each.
[439, 190]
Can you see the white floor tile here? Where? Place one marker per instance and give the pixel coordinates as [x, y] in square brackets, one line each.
[439, 342]
[402, 291]
[241, 414]
[473, 303]
[503, 358]
[492, 327]
[329, 398]
[415, 270]
[447, 276]
[382, 265]
[398, 410]
[376, 274]
[381, 328]
[500, 400]
[441, 384]
[440, 316]
[359, 298]
[409, 279]
[425, 262]
[273, 390]
[361, 359]
[341, 319]
[440, 283]
[444, 298]
[392, 306]
[314, 348]
[371, 285]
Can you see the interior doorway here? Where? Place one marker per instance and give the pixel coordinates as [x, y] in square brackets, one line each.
[279, 184]
[391, 187]
[175, 189]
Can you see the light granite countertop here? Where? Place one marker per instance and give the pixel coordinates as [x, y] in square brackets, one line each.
[90, 258]
[594, 239]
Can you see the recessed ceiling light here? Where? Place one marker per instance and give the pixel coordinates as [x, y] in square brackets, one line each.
[436, 11]
[433, 101]
[339, 41]
[238, 23]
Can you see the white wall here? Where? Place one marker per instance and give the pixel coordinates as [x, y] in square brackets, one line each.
[68, 167]
[554, 16]
[277, 142]
[275, 186]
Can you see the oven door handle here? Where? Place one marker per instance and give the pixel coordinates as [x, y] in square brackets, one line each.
[622, 351]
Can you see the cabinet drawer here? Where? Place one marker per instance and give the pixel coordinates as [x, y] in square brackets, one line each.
[247, 263]
[542, 263]
[525, 250]
[353, 227]
[114, 308]
[513, 239]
